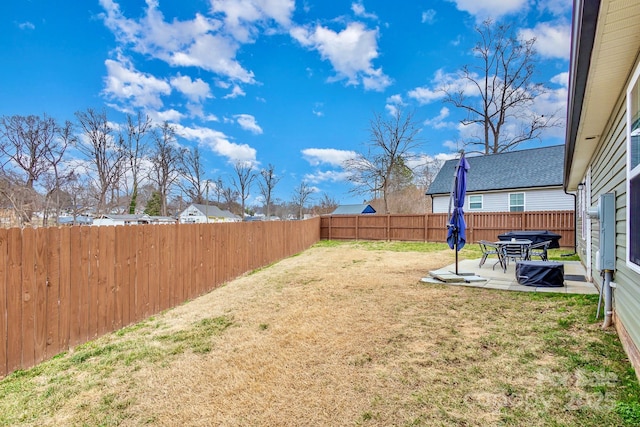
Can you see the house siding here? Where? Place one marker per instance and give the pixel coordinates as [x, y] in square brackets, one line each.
[534, 200]
[608, 175]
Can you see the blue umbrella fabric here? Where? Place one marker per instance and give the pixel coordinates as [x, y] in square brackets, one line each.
[456, 233]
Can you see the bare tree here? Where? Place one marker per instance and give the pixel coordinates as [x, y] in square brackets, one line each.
[25, 142]
[301, 195]
[499, 103]
[134, 145]
[103, 152]
[326, 205]
[267, 184]
[57, 177]
[244, 176]
[192, 171]
[165, 160]
[390, 147]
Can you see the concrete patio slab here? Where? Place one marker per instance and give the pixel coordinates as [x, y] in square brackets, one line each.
[496, 278]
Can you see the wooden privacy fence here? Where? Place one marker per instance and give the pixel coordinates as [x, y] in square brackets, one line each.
[60, 287]
[433, 227]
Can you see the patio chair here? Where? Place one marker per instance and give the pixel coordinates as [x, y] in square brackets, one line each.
[489, 248]
[539, 250]
[515, 252]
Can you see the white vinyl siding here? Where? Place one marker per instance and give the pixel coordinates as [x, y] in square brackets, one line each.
[543, 199]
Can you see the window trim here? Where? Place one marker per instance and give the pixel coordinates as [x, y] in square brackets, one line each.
[481, 202]
[630, 173]
[524, 197]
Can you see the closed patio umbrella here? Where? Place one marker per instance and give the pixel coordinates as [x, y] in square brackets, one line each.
[456, 228]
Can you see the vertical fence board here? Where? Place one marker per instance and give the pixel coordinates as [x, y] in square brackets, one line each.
[94, 286]
[163, 290]
[4, 291]
[29, 290]
[65, 287]
[152, 247]
[121, 271]
[131, 275]
[15, 296]
[143, 274]
[40, 285]
[52, 283]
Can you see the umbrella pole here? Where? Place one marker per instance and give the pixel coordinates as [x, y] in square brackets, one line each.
[455, 234]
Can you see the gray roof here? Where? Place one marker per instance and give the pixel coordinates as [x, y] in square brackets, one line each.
[214, 211]
[536, 167]
[353, 209]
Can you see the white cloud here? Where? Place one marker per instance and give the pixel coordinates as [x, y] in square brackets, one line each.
[195, 90]
[561, 79]
[358, 10]
[428, 16]
[129, 86]
[235, 92]
[483, 9]
[195, 43]
[439, 122]
[248, 122]
[331, 156]
[350, 52]
[26, 25]
[552, 41]
[449, 81]
[330, 176]
[219, 143]
[241, 16]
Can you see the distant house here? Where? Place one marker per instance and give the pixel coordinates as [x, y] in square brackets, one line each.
[602, 159]
[154, 219]
[197, 213]
[77, 220]
[525, 180]
[353, 210]
[109, 219]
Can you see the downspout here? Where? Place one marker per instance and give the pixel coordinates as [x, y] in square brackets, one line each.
[575, 222]
[608, 286]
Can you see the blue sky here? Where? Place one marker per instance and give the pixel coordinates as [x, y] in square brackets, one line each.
[291, 83]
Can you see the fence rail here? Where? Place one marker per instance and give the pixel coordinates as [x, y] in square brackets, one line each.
[433, 227]
[60, 287]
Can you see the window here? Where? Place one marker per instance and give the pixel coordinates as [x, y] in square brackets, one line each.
[633, 173]
[475, 202]
[516, 202]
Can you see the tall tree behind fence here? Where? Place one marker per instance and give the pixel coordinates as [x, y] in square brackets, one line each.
[60, 287]
[433, 227]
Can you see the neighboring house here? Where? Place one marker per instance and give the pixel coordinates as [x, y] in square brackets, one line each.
[109, 219]
[353, 210]
[78, 220]
[154, 219]
[206, 213]
[603, 149]
[516, 181]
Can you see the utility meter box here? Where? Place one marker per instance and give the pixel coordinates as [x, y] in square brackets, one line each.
[605, 213]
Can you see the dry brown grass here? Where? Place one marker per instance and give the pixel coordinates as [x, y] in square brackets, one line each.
[340, 336]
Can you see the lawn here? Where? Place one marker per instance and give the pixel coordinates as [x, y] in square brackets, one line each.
[343, 334]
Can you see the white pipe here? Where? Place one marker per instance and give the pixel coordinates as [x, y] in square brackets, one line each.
[608, 298]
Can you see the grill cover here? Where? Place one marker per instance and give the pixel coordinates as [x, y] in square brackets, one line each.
[540, 273]
[536, 236]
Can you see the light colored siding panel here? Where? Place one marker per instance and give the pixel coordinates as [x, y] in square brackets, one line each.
[548, 200]
[609, 175]
[534, 200]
